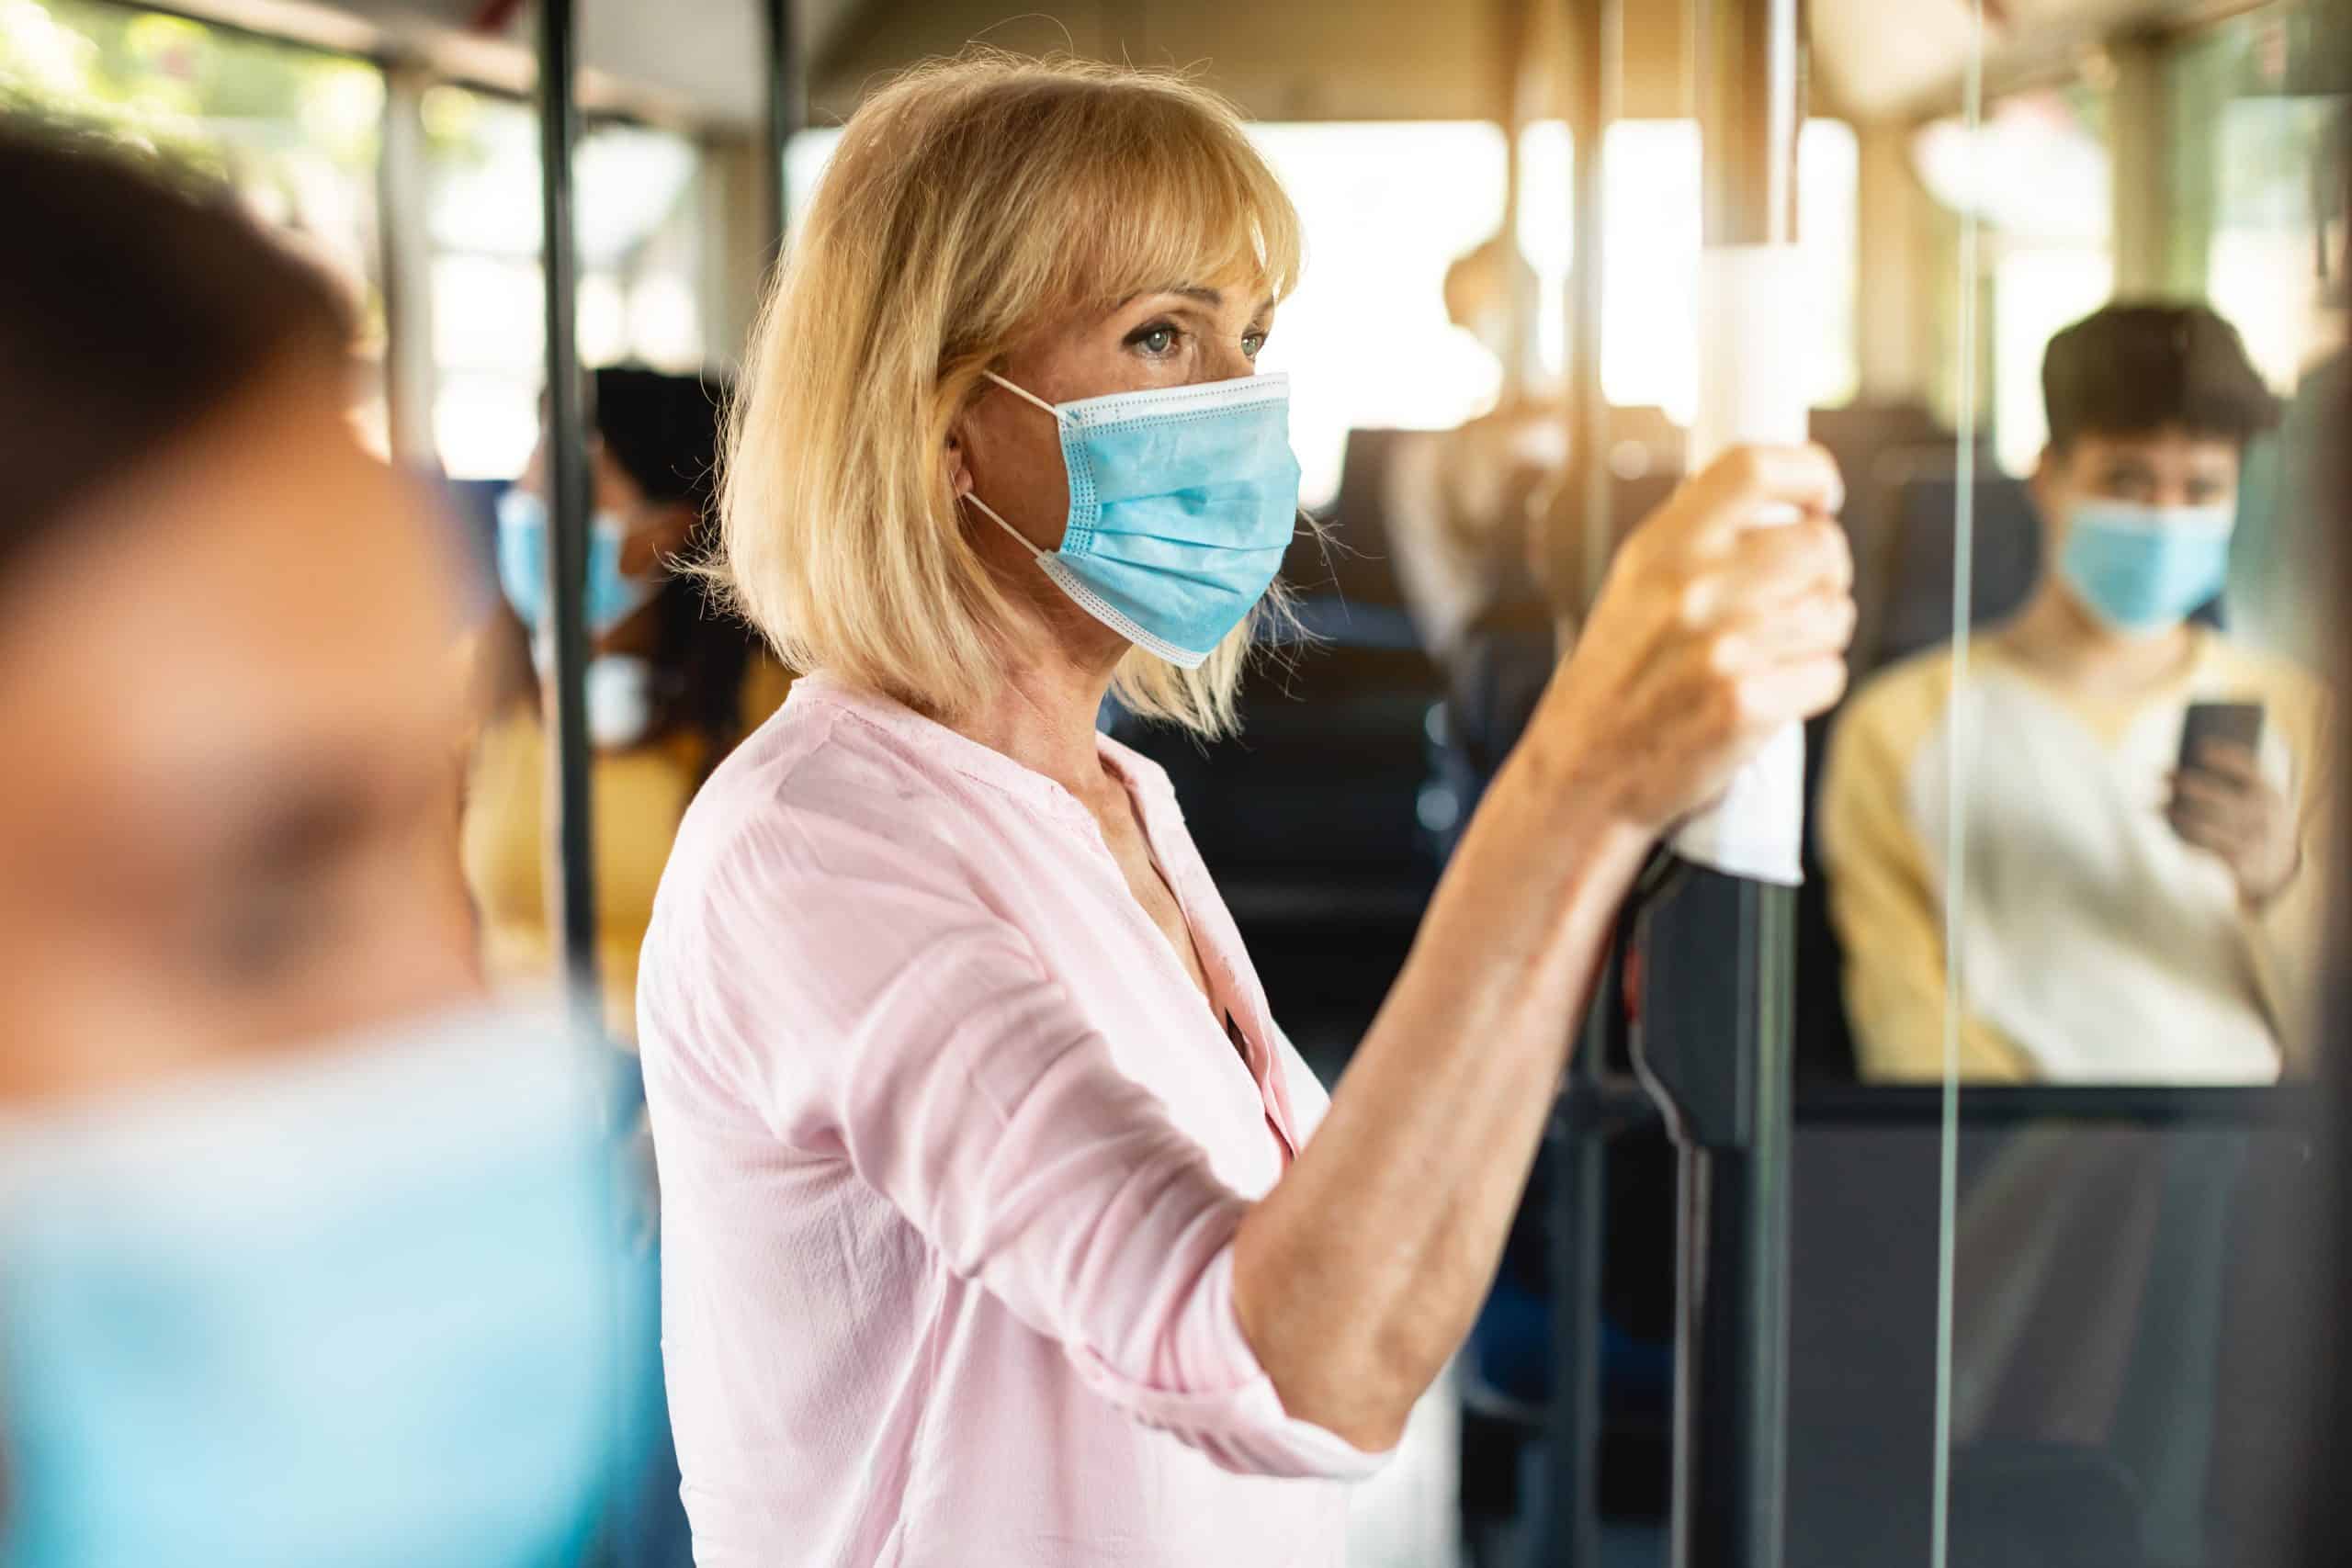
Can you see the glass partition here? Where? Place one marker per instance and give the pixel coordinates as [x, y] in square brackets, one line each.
[2117, 781]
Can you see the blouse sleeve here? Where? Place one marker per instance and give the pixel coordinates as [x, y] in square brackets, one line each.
[906, 1025]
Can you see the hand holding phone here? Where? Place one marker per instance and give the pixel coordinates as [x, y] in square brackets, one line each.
[2222, 802]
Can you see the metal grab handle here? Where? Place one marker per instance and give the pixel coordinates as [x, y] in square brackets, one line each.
[1712, 1042]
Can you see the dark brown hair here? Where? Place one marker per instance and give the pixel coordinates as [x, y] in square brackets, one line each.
[663, 432]
[134, 300]
[2133, 369]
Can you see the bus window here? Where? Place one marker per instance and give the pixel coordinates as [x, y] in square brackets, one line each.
[291, 127]
[641, 232]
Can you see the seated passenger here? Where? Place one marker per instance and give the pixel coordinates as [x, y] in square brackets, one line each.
[672, 683]
[299, 1248]
[2123, 922]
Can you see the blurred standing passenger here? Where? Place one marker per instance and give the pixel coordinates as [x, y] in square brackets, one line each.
[300, 1249]
[2123, 924]
[1463, 508]
[1459, 500]
[671, 684]
[1000, 1222]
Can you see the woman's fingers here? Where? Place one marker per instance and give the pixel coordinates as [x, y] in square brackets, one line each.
[1792, 692]
[1808, 553]
[1741, 490]
[1725, 615]
[1769, 566]
[1812, 627]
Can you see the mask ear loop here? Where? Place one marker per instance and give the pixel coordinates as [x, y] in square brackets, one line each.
[989, 512]
[1025, 394]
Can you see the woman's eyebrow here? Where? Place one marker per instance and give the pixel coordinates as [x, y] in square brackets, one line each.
[1209, 297]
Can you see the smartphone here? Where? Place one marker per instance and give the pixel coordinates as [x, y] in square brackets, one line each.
[2240, 724]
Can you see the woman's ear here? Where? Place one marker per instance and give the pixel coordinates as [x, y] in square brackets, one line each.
[959, 471]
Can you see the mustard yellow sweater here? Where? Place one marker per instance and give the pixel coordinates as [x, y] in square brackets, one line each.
[636, 798]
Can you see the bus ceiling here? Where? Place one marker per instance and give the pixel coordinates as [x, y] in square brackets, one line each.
[697, 63]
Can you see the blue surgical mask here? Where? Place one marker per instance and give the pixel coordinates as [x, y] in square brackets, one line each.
[357, 1307]
[2145, 568]
[613, 597]
[1181, 502]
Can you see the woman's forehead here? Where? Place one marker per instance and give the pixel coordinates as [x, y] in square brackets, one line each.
[1174, 251]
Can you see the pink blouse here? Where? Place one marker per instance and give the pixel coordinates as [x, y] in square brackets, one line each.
[951, 1157]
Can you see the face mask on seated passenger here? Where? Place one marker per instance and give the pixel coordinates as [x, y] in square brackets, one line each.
[1182, 501]
[2146, 569]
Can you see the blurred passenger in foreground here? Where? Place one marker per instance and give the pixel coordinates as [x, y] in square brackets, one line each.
[2138, 902]
[672, 683]
[299, 1247]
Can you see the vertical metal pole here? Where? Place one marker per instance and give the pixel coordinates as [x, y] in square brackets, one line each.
[1578, 554]
[788, 109]
[567, 454]
[404, 243]
[1750, 87]
[1596, 35]
[1731, 1370]
[1511, 18]
[1579, 1213]
[2140, 147]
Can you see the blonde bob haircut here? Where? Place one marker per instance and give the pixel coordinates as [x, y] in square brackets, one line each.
[970, 203]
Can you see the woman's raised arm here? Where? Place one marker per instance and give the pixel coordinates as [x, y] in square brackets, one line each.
[1359, 1274]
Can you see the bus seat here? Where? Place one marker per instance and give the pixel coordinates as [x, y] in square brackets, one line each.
[1907, 589]
[1357, 564]
[2121, 1375]
[1864, 439]
[1310, 821]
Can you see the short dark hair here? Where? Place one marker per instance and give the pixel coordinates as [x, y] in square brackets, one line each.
[2130, 369]
[135, 298]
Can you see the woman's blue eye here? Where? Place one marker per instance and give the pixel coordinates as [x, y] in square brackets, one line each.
[1251, 343]
[1155, 340]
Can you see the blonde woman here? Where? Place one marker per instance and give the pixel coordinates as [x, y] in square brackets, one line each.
[1003, 1228]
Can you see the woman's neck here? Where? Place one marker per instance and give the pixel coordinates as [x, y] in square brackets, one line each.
[1042, 715]
[1056, 670]
[2066, 644]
